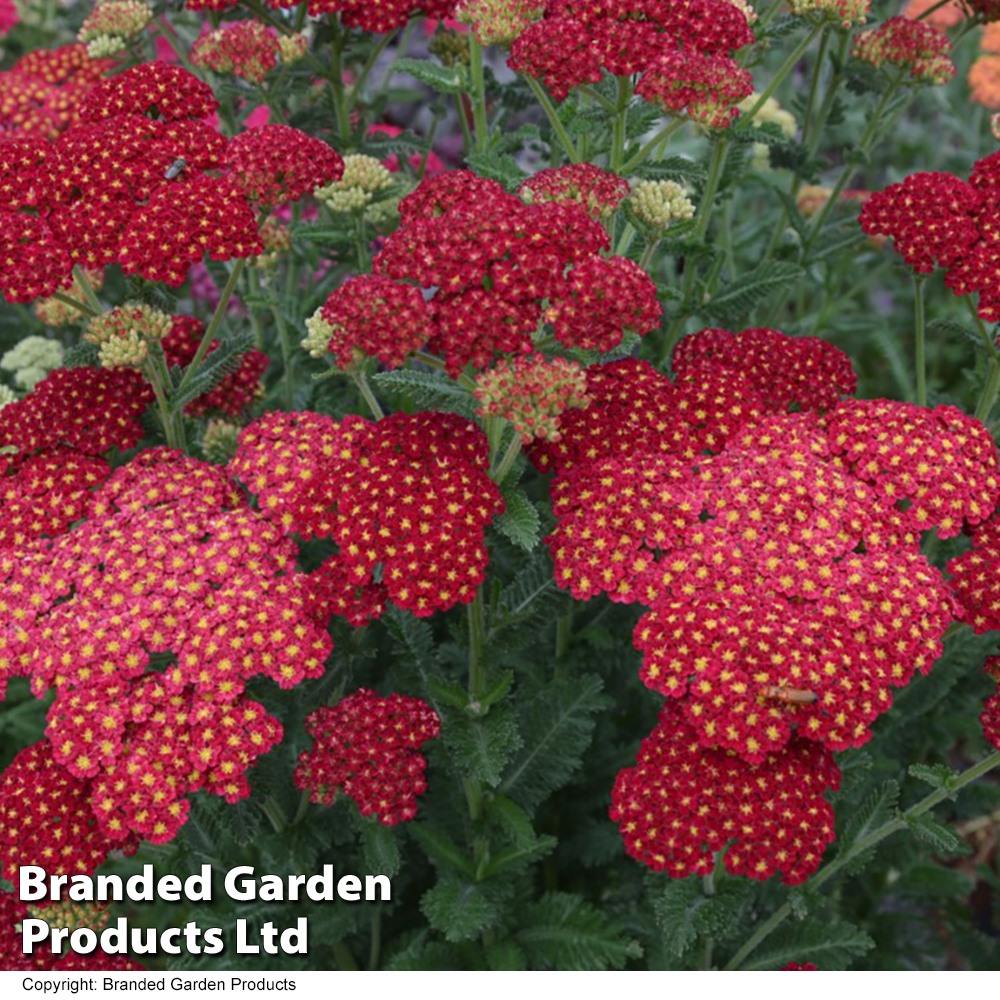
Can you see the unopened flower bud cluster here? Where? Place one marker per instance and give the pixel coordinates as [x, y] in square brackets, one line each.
[660, 203]
[111, 24]
[124, 334]
[31, 359]
[364, 178]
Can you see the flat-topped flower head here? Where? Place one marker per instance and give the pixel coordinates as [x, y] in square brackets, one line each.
[680, 804]
[277, 163]
[246, 49]
[843, 12]
[363, 179]
[368, 748]
[597, 190]
[375, 316]
[108, 27]
[660, 203]
[158, 89]
[125, 333]
[919, 48]
[499, 22]
[705, 88]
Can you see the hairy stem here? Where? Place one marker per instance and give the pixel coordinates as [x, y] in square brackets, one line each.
[919, 333]
[554, 120]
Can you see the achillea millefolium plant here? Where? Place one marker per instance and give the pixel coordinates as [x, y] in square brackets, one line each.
[542, 451]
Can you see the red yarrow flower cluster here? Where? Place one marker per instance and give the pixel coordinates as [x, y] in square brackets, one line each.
[808, 372]
[778, 552]
[237, 391]
[681, 804]
[367, 748]
[129, 185]
[276, 163]
[409, 494]
[597, 190]
[373, 316]
[41, 94]
[916, 46]
[46, 818]
[90, 410]
[246, 49]
[939, 220]
[576, 41]
[500, 269]
[705, 88]
[169, 561]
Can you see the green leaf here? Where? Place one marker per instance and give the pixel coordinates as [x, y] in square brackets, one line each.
[380, 847]
[520, 521]
[935, 775]
[878, 807]
[428, 390]
[441, 849]
[443, 79]
[673, 168]
[943, 841]
[482, 745]
[517, 856]
[223, 361]
[82, 355]
[557, 725]
[674, 907]
[497, 691]
[501, 167]
[831, 947]
[734, 303]
[506, 957]
[562, 931]
[512, 819]
[463, 910]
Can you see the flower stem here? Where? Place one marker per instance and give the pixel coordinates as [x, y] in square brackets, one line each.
[76, 304]
[865, 843]
[554, 120]
[702, 217]
[650, 147]
[479, 118]
[88, 289]
[617, 155]
[789, 64]
[508, 460]
[990, 390]
[213, 326]
[477, 641]
[919, 328]
[361, 381]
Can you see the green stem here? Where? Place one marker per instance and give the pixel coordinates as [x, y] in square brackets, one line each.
[76, 304]
[335, 78]
[919, 328]
[273, 811]
[988, 343]
[554, 120]
[359, 85]
[786, 67]
[477, 643]
[702, 218]
[625, 240]
[859, 847]
[361, 381]
[989, 397]
[463, 121]
[647, 255]
[287, 380]
[478, 94]
[344, 957]
[598, 97]
[564, 635]
[376, 945]
[88, 289]
[508, 460]
[650, 147]
[930, 10]
[817, 73]
[617, 156]
[213, 325]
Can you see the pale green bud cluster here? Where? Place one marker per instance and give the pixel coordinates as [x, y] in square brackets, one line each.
[111, 24]
[31, 359]
[364, 178]
[845, 12]
[320, 331]
[124, 334]
[7, 396]
[499, 22]
[293, 47]
[660, 203]
[219, 441]
[770, 111]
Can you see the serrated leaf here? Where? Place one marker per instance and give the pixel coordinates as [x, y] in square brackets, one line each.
[935, 775]
[225, 360]
[441, 849]
[514, 821]
[501, 167]
[506, 957]
[520, 521]
[878, 807]
[462, 910]
[517, 856]
[380, 848]
[831, 947]
[673, 168]
[927, 829]
[557, 725]
[673, 907]
[562, 931]
[737, 299]
[483, 745]
[428, 390]
[82, 355]
[443, 79]
[497, 690]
